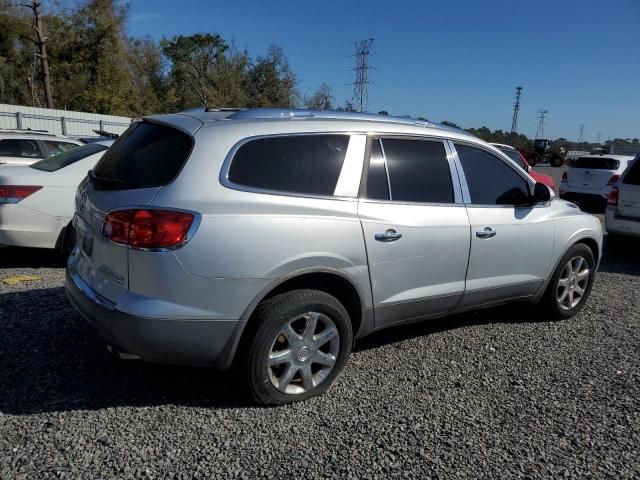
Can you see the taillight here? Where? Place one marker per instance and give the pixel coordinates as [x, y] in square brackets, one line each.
[613, 180]
[15, 193]
[564, 177]
[613, 197]
[148, 228]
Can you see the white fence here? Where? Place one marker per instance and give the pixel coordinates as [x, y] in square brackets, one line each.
[60, 121]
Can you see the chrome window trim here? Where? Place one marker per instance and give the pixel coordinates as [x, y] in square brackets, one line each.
[384, 163]
[223, 177]
[508, 162]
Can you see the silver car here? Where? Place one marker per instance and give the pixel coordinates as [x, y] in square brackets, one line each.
[272, 239]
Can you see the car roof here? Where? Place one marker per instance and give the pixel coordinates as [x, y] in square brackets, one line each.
[612, 157]
[502, 146]
[281, 120]
[34, 134]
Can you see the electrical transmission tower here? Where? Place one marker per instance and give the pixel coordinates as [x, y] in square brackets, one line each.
[514, 122]
[541, 122]
[581, 133]
[360, 86]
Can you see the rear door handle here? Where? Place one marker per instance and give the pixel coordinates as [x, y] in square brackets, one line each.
[488, 232]
[389, 236]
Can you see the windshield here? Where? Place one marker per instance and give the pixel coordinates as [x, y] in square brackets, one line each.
[515, 156]
[65, 159]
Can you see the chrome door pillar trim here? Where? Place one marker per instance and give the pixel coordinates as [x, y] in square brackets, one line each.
[349, 179]
[452, 153]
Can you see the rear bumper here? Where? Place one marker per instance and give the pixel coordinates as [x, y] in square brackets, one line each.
[158, 340]
[23, 227]
[621, 225]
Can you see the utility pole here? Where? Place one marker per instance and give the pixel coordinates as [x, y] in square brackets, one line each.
[41, 42]
[599, 137]
[514, 122]
[581, 133]
[541, 122]
[360, 86]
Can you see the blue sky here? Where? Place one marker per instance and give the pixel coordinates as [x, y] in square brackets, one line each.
[445, 60]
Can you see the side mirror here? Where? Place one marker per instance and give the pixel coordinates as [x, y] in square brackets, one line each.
[541, 193]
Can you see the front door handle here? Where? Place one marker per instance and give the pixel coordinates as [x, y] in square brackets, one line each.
[488, 232]
[389, 236]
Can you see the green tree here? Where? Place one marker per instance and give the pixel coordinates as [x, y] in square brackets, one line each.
[271, 82]
[450, 124]
[321, 99]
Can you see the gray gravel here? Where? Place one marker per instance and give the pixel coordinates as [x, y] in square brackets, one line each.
[495, 394]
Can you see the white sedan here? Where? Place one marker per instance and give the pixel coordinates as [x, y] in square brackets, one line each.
[37, 201]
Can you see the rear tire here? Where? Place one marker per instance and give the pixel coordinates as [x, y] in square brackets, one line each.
[301, 343]
[570, 285]
[556, 161]
[68, 240]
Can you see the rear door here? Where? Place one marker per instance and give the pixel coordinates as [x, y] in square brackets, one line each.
[592, 173]
[629, 192]
[511, 245]
[415, 227]
[130, 174]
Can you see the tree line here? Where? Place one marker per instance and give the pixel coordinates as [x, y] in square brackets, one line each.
[82, 58]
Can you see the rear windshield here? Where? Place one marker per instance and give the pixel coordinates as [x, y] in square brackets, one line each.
[596, 163]
[65, 159]
[146, 155]
[633, 175]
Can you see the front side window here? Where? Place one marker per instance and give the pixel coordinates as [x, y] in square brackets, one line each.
[418, 171]
[19, 147]
[300, 164]
[490, 180]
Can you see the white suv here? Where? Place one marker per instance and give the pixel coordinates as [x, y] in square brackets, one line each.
[273, 239]
[24, 147]
[590, 178]
[623, 211]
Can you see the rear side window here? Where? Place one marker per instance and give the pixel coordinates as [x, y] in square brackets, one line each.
[146, 155]
[18, 147]
[633, 175]
[418, 171]
[596, 163]
[490, 180]
[301, 164]
[62, 160]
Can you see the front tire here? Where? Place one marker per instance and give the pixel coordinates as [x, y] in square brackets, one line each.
[301, 343]
[571, 283]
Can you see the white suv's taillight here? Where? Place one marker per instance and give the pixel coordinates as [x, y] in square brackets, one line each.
[613, 197]
[15, 193]
[613, 180]
[148, 228]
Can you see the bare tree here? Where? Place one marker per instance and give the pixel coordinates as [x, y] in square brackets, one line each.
[41, 42]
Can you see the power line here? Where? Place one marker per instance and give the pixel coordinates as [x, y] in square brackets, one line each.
[514, 122]
[541, 122]
[581, 133]
[360, 86]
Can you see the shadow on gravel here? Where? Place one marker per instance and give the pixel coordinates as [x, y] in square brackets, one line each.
[14, 257]
[621, 255]
[51, 360]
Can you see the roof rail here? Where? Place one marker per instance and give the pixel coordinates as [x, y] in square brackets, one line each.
[292, 113]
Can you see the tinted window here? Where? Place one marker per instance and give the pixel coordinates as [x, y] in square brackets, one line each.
[146, 155]
[56, 148]
[418, 171]
[515, 156]
[596, 163]
[52, 164]
[18, 147]
[305, 164]
[377, 182]
[633, 175]
[490, 180]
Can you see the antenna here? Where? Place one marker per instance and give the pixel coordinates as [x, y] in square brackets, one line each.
[514, 122]
[541, 122]
[360, 86]
[581, 133]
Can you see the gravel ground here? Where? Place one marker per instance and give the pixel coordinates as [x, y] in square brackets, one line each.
[498, 393]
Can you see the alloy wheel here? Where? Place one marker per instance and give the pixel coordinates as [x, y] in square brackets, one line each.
[573, 283]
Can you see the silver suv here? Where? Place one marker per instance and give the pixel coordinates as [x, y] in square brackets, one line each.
[271, 239]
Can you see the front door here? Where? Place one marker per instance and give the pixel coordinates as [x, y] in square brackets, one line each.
[511, 245]
[416, 234]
